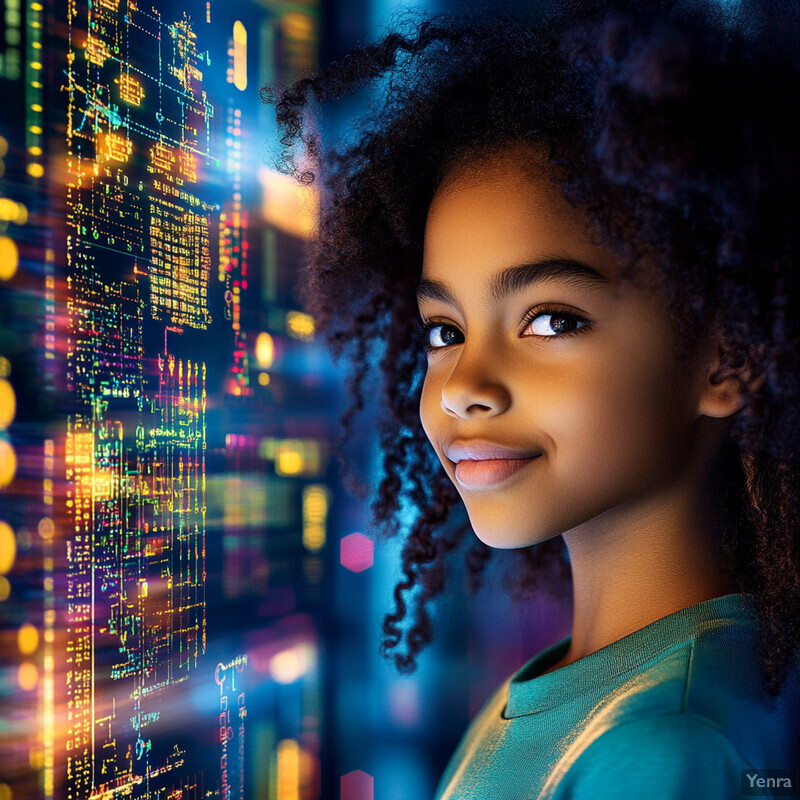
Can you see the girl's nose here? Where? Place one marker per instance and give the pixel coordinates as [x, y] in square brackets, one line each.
[473, 389]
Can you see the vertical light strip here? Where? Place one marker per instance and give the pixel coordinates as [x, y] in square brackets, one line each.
[34, 71]
[288, 770]
[239, 56]
[48, 688]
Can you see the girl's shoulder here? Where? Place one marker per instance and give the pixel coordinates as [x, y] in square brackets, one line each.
[666, 757]
[693, 721]
[674, 709]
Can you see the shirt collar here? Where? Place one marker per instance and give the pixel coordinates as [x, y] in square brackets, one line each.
[530, 692]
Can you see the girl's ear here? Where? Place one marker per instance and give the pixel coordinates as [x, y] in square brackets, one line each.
[728, 385]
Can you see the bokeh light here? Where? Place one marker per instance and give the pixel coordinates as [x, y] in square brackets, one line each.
[357, 552]
[300, 325]
[8, 400]
[27, 676]
[239, 56]
[9, 258]
[290, 664]
[46, 528]
[8, 547]
[265, 350]
[11, 211]
[27, 639]
[288, 770]
[8, 463]
[357, 785]
[289, 462]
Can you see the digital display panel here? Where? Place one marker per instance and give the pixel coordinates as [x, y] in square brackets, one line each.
[166, 456]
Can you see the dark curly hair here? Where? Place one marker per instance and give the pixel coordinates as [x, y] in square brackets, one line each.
[673, 125]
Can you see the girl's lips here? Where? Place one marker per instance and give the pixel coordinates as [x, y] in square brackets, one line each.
[482, 450]
[488, 472]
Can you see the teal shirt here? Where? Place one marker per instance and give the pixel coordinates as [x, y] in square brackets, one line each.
[669, 712]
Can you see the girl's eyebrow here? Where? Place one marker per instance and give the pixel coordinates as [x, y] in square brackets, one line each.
[514, 279]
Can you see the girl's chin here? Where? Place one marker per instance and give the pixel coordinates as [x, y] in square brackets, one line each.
[506, 537]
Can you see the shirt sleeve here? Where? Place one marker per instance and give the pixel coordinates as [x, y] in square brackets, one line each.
[671, 757]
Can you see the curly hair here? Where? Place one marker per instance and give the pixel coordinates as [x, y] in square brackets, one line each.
[672, 126]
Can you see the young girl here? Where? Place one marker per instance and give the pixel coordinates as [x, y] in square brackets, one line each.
[573, 241]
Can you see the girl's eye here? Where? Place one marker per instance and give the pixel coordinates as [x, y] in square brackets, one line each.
[543, 321]
[553, 322]
[436, 335]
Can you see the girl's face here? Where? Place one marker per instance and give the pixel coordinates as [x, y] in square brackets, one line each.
[553, 391]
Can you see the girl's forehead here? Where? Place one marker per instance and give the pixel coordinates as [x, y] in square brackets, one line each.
[512, 185]
[500, 213]
[498, 222]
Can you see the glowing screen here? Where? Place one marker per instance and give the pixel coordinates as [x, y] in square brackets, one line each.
[165, 408]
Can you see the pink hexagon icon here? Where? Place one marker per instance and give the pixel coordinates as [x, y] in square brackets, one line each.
[357, 785]
[356, 552]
